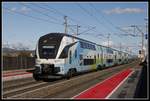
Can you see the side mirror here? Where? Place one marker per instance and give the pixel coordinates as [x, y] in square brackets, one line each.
[35, 56]
[139, 51]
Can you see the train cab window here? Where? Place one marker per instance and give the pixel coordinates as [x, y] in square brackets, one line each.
[48, 45]
[48, 51]
[64, 53]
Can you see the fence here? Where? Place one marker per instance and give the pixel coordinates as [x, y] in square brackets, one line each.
[20, 62]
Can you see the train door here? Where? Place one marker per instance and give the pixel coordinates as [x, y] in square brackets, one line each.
[101, 56]
[81, 59]
[115, 58]
[94, 59]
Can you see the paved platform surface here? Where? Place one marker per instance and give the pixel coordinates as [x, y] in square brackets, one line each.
[128, 88]
[104, 89]
[119, 86]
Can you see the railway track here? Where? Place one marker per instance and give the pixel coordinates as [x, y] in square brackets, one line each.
[25, 87]
[16, 83]
[33, 89]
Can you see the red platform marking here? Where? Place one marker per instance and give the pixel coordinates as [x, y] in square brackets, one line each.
[102, 89]
[13, 71]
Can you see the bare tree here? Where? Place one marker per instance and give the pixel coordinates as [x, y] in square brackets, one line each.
[20, 46]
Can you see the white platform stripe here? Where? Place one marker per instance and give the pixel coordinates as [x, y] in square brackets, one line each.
[16, 77]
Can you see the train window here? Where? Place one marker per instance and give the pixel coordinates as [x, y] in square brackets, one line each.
[87, 46]
[94, 47]
[81, 59]
[94, 58]
[47, 52]
[90, 46]
[119, 60]
[88, 61]
[64, 53]
[115, 56]
[109, 60]
[81, 44]
[75, 53]
[70, 54]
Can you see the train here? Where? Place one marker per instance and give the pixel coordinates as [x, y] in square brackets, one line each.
[64, 55]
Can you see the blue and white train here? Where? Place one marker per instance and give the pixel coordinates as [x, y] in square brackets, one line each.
[59, 54]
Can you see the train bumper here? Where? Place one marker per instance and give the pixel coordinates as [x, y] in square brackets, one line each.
[46, 69]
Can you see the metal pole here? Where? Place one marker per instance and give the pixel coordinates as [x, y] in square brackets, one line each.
[65, 23]
[120, 46]
[142, 51]
[77, 29]
[146, 28]
[108, 39]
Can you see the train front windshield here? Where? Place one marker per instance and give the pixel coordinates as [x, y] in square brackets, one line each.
[49, 45]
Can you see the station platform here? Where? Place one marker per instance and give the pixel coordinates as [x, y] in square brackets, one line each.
[128, 88]
[16, 74]
[122, 85]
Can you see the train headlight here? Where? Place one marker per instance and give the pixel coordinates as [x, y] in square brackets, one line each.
[57, 61]
[38, 69]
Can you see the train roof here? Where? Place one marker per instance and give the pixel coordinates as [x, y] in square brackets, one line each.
[63, 34]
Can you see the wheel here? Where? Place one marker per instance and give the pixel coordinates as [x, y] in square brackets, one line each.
[99, 67]
[105, 66]
[70, 73]
[74, 72]
[36, 76]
